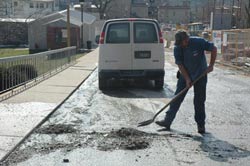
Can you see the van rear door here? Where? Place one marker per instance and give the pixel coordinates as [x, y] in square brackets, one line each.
[117, 46]
[147, 46]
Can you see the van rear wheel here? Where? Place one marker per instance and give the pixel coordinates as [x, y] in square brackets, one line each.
[159, 82]
[102, 83]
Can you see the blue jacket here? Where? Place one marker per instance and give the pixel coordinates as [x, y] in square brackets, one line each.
[193, 56]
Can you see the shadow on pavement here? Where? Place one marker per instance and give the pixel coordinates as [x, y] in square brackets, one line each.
[219, 150]
[138, 90]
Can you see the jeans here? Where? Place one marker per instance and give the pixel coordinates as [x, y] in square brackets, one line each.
[199, 101]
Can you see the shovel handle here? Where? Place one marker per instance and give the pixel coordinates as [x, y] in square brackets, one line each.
[178, 95]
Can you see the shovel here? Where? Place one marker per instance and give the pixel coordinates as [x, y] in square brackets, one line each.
[147, 122]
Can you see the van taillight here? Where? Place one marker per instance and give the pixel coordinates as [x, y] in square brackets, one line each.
[101, 40]
[160, 37]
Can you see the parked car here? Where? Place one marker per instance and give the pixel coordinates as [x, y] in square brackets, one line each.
[131, 48]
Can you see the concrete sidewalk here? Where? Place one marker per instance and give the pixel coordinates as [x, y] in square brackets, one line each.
[21, 113]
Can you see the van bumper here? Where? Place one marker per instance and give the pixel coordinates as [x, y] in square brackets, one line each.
[132, 74]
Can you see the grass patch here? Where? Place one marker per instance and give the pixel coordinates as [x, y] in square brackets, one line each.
[8, 52]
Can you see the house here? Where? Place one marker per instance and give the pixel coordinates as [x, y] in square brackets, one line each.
[119, 9]
[50, 32]
[64, 3]
[165, 11]
[139, 9]
[27, 8]
[174, 14]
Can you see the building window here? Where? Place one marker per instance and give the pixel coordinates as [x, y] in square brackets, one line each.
[15, 3]
[31, 5]
[47, 5]
[37, 5]
[64, 35]
[58, 36]
[185, 3]
[41, 5]
[174, 13]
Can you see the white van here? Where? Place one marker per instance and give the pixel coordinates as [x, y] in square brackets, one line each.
[131, 48]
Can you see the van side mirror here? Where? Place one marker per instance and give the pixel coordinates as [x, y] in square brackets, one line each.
[97, 37]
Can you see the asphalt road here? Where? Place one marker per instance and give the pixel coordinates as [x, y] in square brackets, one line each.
[100, 128]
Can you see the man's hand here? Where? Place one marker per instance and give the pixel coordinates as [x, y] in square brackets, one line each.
[188, 83]
[184, 73]
[210, 68]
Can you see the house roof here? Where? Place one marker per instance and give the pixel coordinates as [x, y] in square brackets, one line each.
[72, 21]
[76, 16]
[79, 6]
[15, 20]
[61, 22]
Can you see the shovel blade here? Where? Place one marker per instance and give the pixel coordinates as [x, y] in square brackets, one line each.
[145, 123]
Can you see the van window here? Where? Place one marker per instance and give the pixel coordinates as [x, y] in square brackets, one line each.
[118, 33]
[145, 33]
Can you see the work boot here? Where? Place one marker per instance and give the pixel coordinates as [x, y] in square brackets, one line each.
[163, 123]
[201, 129]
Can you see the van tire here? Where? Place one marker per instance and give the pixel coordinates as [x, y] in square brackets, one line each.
[102, 83]
[159, 83]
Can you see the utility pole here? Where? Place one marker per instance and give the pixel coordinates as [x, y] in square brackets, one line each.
[222, 13]
[208, 10]
[214, 6]
[81, 2]
[213, 15]
[233, 16]
[68, 25]
[239, 16]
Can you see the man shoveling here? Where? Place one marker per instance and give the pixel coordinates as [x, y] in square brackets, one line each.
[189, 53]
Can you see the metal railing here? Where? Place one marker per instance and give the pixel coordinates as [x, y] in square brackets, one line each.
[20, 70]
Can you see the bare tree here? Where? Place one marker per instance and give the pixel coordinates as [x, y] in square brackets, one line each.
[102, 6]
[247, 7]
